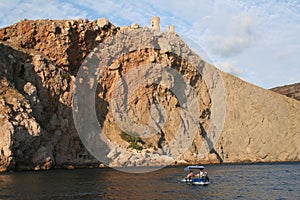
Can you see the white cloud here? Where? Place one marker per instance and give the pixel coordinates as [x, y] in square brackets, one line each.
[36, 9]
[228, 31]
[8, 4]
[190, 10]
[230, 68]
[260, 36]
[119, 12]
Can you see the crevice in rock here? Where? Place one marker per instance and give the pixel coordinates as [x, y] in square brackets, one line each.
[210, 143]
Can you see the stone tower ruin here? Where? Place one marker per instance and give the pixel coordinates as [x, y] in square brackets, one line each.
[170, 28]
[154, 23]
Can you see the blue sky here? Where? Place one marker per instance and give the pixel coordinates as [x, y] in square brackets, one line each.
[256, 40]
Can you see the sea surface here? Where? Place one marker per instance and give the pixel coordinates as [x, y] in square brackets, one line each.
[228, 181]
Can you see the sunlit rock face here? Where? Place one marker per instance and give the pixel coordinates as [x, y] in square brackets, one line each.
[223, 119]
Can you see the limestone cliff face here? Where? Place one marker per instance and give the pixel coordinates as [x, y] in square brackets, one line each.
[39, 61]
[260, 125]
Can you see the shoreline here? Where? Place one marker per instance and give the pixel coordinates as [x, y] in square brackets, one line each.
[71, 167]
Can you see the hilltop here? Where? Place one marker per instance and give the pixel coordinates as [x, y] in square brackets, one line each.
[292, 90]
[232, 120]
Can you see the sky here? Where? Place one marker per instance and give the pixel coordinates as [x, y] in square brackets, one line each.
[256, 40]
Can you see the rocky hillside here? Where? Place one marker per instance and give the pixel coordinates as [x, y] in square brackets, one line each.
[292, 90]
[37, 78]
[212, 117]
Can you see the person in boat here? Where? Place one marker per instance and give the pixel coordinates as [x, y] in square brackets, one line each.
[190, 175]
[201, 173]
[204, 174]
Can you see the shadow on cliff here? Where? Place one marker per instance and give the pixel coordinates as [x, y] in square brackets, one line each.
[19, 71]
[210, 144]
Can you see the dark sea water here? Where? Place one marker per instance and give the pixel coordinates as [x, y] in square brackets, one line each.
[228, 181]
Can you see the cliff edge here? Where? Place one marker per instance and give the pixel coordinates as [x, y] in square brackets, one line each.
[233, 121]
[292, 90]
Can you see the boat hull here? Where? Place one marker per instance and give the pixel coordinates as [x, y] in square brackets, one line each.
[201, 181]
[195, 181]
[186, 180]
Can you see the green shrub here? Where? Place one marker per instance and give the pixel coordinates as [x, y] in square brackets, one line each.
[66, 76]
[135, 145]
[133, 139]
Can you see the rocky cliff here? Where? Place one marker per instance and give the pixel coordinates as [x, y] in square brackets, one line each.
[292, 90]
[37, 75]
[230, 120]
